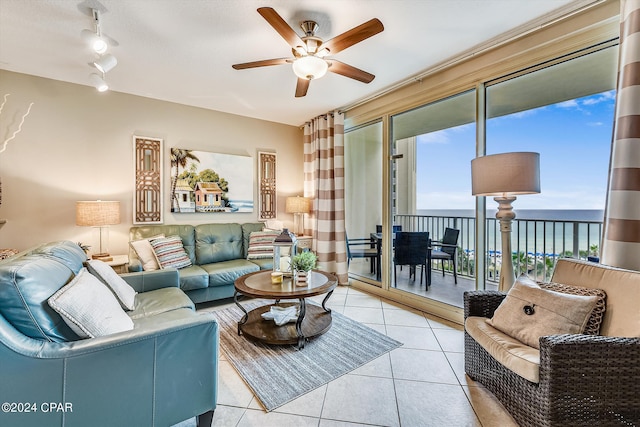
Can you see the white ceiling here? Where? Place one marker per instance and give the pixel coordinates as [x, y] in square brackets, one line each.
[182, 50]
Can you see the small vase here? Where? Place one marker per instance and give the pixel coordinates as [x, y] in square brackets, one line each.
[301, 278]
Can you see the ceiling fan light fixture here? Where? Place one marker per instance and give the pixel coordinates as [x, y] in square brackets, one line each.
[98, 82]
[106, 63]
[310, 67]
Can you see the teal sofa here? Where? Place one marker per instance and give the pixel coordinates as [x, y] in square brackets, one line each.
[218, 253]
[160, 373]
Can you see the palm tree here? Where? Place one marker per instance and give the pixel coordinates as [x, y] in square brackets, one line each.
[179, 157]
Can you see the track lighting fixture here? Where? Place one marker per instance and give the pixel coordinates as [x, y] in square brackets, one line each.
[98, 82]
[105, 63]
[98, 44]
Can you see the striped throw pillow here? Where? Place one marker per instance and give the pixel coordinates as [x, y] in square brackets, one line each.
[170, 252]
[261, 244]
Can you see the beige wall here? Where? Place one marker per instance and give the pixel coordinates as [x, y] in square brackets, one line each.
[77, 145]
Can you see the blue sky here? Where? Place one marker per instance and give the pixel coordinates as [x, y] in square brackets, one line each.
[572, 137]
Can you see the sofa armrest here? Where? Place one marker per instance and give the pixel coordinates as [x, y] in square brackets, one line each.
[144, 281]
[601, 374]
[161, 374]
[482, 303]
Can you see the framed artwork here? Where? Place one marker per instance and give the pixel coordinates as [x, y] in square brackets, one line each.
[147, 194]
[202, 181]
[266, 185]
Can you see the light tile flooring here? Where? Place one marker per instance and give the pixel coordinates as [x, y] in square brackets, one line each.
[419, 384]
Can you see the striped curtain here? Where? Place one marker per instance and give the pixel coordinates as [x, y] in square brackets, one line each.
[324, 184]
[621, 240]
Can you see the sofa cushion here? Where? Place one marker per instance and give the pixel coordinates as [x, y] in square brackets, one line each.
[26, 282]
[261, 244]
[514, 355]
[123, 291]
[597, 315]
[225, 273]
[159, 301]
[170, 252]
[89, 307]
[264, 263]
[529, 312]
[185, 231]
[218, 242]
[247, 229]
[193, 277]
[144, 251]
[622, 318]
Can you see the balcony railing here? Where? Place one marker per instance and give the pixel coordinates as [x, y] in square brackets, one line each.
[537, 244]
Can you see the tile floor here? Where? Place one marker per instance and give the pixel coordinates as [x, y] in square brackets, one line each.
[419, 384]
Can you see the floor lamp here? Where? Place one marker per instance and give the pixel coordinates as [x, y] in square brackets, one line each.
[100, 214]
[504, 176]
[298, 206]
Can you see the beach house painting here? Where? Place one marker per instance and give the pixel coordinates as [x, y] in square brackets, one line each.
[203, 181]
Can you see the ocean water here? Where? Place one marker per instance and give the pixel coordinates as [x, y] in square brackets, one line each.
[242, 205]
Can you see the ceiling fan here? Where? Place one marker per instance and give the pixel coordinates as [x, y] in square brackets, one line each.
[309, 52]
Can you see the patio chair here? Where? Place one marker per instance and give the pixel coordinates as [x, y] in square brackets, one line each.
[362, 248]
[412, 249]
[447, 252]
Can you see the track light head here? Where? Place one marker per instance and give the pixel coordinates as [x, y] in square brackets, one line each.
[105, 63]
[98, 43]
[98, 82]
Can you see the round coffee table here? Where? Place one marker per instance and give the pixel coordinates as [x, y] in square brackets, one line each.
[312, 320]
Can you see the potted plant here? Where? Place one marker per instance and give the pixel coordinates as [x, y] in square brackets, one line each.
[302, 264]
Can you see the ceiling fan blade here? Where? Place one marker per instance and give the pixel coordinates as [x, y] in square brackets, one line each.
[264, 63]
[301, 87]
[353, 36]
[350, 71]
[281, 26]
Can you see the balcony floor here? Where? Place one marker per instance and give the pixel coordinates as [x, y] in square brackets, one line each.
[442, 289]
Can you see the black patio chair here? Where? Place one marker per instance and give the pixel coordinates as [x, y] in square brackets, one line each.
[447, 252]
[362, 248]
[412, 249]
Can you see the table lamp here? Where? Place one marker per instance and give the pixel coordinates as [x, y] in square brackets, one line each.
[100, 214]
[298, 206]
[504, 176]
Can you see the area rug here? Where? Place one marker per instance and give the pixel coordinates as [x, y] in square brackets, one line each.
[279, 374]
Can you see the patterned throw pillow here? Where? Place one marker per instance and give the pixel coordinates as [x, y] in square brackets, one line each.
[595, 320]
[145, 252]
[170, 252]
[261, 244]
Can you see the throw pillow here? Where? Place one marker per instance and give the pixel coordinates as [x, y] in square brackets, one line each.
[123, 291]
[597, 315]
[170, 252]
[529, 312]
[143, 249]
[261, 244]
[89, 307]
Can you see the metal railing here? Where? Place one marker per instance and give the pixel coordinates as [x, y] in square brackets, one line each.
[537, 244]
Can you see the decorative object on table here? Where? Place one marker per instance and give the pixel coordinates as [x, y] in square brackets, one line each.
[298, 206]
[281, 315]
[208, 182]
[267, 185]
[147, 194]
[302, 264]
[284, 247]
[100, 214]
[276, 277]
[279, 374]
[84, 247]
[504, 176]
[6, 253]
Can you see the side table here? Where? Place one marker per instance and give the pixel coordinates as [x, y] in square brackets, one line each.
[119, 263]
[304, 242]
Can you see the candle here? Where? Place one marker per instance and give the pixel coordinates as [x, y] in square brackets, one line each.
[276, 277]
[285, 264]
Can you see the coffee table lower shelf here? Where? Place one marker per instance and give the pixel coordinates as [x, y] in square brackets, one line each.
[316, 322]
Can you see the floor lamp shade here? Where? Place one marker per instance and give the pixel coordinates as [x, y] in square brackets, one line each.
[298, 206]
[100, 214]
[504, 176]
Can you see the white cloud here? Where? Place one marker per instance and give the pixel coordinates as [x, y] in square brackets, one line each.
[439, 137]
[572, 103]
[595, 124]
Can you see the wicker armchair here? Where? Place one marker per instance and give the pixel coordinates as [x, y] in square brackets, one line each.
[584, 380]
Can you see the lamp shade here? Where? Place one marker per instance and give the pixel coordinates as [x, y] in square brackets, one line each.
[505, 174]
[310, 67]
[297, 205]
[97, 213]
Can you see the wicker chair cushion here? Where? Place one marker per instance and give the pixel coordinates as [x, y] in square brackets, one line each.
[529, 312]
[597, 315]
[519, 358]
